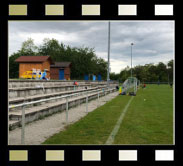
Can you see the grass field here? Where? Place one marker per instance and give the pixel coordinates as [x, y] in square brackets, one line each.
[148, 121]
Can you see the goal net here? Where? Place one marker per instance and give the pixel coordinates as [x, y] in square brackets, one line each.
[130, 85]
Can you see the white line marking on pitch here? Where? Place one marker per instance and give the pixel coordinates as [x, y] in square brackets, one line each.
[110, 140]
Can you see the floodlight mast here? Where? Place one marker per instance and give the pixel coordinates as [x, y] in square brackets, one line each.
[108, 76]
[131, 58]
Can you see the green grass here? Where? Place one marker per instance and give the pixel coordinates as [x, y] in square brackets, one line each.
[149, 121]
[146, 122]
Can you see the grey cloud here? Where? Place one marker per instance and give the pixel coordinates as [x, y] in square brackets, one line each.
[154, 40]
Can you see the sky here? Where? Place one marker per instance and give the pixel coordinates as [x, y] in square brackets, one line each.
[153, 40]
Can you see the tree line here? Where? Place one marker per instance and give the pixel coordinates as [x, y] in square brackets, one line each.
[84, 60]
[160, 72]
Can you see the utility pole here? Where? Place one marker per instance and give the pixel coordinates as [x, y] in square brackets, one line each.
[131, 58]
[108, 77]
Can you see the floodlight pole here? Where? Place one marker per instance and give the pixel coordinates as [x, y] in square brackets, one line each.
[168, 74]
[131, 58]
[108, 77]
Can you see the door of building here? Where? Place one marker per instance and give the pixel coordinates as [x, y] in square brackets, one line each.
[86, 78]
[61, 74]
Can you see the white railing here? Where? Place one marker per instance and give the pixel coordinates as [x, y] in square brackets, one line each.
[23, 105]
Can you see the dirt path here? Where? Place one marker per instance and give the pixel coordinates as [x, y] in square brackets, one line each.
[38, 131]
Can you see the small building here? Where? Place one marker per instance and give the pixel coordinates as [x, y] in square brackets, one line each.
[60, 70]
[28, 63]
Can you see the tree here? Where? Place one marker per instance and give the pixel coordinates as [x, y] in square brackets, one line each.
[28, 49]
[150, 72]
[51, 48]
[114, 76]
[170, 70]
[13, 66]
[83, 59]
[162, 70]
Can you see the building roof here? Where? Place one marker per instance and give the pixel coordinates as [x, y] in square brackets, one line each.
[61, 64]
[32, 58]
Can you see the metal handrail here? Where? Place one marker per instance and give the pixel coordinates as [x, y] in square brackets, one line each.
[67, 107]
[52, 98]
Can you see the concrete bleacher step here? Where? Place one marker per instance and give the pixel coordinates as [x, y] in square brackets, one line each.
[40, 111]
[31, 91]
[19, 100]
[14, 124]
[17, 115]
[32, 83]
[46, 87]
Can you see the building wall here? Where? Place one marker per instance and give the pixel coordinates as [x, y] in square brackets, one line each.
[46, 65]
[54, 73]
[67, 73]
[29, 66]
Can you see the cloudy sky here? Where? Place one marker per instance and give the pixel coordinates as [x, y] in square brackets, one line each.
[153, 41]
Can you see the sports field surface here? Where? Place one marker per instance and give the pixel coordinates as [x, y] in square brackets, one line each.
[146, 118]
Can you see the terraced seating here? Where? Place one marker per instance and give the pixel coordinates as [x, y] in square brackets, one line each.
[34, 83]
[31, 91]
[19, 100]
[25, 91]
[38, 111]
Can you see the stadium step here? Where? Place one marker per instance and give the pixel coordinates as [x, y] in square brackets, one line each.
[31, 91]
[39, 111]
[21, 100]
[14, 124]
[33, 83]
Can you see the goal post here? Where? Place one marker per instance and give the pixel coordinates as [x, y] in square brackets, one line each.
[130, 86]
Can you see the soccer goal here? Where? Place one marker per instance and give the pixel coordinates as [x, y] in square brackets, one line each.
[130, 86]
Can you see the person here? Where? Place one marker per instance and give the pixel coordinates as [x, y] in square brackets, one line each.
[144, 85]
[171, 85]
[75, 83]
[120, 90]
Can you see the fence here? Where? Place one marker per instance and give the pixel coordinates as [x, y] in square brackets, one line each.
[23, 105]
[156, 82]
